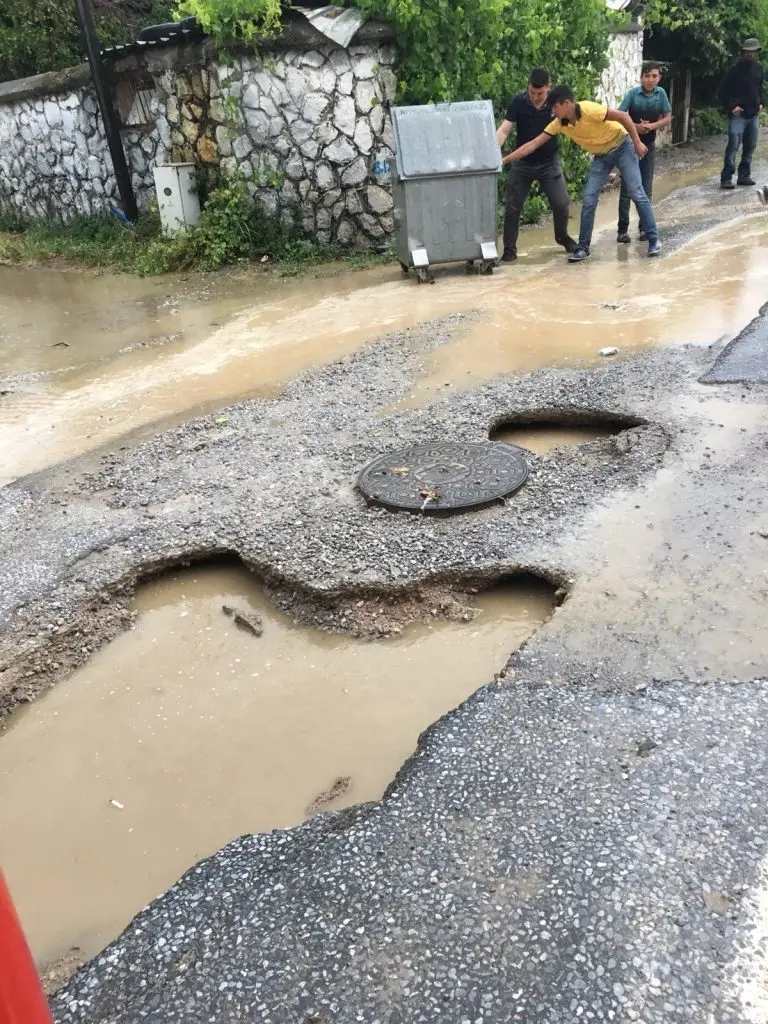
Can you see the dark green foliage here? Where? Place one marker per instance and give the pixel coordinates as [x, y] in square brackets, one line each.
[703, 37]
[707, 121]
[42, 35]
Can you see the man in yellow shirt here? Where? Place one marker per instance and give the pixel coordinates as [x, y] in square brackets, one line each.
[612, 139]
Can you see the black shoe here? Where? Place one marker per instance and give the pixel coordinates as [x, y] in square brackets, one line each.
[508, 256]
[578, 255]
[642, 237]
[623, 237]
[654, 248]
[728, 186]
[570, 245]
[745, 181]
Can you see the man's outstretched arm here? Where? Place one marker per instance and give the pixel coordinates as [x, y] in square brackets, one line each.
[527, 149]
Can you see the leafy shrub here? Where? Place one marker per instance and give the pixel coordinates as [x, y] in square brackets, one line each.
[234, 19]
[165, 254]
[536, 206]
[452, 51]
[233, 227]
[709, 121]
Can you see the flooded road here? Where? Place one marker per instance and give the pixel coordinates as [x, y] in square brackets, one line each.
[564, 315]
[188, 731]
[90, 360]
[98, 358]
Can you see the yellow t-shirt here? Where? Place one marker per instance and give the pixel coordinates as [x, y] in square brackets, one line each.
[592, 132]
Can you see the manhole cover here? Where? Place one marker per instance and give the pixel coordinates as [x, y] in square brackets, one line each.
[444, 476]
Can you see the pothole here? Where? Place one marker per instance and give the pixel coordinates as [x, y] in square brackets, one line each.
[190, 730]
[544, 435]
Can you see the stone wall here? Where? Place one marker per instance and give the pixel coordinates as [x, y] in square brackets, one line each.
[306, 122]
[625, 61]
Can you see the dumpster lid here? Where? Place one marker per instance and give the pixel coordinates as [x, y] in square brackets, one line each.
[446, 138]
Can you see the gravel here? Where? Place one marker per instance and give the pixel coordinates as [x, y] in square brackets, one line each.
[274, 484]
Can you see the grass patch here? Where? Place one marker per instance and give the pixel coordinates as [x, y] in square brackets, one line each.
[233, 230]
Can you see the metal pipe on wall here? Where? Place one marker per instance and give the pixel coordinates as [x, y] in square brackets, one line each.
[111, 124]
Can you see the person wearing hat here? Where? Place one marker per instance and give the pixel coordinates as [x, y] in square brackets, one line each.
[741, 93]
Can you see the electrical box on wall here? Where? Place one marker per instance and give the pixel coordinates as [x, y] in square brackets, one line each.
[177, 199]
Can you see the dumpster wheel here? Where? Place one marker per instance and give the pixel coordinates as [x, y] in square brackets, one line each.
[487, 266]
[424, 275]
[404, 267]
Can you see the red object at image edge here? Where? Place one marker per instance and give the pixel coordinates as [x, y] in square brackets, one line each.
[22, 1000]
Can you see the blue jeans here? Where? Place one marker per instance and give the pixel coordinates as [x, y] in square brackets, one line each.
[625, 158]
[742, 131]
[646, 174]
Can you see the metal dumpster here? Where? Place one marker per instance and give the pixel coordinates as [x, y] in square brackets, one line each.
[444, 185]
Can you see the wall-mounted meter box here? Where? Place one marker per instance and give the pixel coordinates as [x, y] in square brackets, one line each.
[177, 199]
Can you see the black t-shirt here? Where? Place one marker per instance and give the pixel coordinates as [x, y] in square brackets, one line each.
[531, 122]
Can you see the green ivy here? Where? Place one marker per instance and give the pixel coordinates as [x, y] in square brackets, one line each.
[485, 48]
[230, 20]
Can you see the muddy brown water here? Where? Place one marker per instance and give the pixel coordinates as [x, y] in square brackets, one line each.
[135, 355]
[708, 289]
[202, 732]
[544, 438]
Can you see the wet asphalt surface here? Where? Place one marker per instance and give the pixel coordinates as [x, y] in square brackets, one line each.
[582, 840]
[743, 360]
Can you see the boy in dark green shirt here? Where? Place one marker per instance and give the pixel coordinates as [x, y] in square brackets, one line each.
[648, 106]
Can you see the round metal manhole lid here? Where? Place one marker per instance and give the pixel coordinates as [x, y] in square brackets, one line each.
[446, 476]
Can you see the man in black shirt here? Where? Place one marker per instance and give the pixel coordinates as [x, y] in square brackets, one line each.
[529, 113]
[741, 93]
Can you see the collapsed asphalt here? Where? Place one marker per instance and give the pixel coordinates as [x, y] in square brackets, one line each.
[274, 484]
[582, 840]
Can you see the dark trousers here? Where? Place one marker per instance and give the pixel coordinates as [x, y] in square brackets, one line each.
[646, 175]
[742, 131]
[550, 177]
